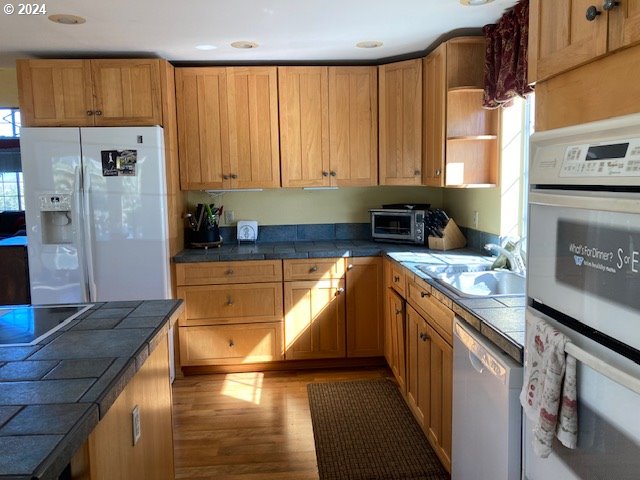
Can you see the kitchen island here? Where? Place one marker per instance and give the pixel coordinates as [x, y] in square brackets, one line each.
[66, 403]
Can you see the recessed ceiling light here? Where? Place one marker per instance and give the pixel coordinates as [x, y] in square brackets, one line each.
[369, 44]
[206, 47]
[474, 3]
[244, 44]
[66, 19]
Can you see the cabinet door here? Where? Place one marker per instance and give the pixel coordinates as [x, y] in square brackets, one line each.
[253, 127]
[395, 318]
[624, 24]
[435, 97]
[401, 123]
[562, 38]
[418, 367]
[353, 126]
[314, 319]
[303, 94]
[365, 334]
[231, 344]
[440, 391]
[127, 92]
[55, 93]
[203, 143]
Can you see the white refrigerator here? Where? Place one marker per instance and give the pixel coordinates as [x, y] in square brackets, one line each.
[96, 214]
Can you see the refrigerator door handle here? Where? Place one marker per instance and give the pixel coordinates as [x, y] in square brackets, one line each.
[79, 233]
[88, 237]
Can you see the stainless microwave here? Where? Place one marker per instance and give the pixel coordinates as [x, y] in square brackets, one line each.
[398, 225]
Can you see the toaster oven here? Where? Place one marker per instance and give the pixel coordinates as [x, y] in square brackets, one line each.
[403, 224]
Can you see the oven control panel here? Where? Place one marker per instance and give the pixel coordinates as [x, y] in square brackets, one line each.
[617, 159]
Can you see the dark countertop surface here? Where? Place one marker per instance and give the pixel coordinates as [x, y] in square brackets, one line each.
[500, 320]
[53, 394]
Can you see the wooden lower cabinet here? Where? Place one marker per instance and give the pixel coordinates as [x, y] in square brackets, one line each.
[365, 334]
[439, 425]
[231, 344]
[235, 303]
[418, 367]
[395, 337]
[109, 452]
[314, 319]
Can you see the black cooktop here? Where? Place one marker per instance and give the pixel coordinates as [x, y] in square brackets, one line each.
[27, 325]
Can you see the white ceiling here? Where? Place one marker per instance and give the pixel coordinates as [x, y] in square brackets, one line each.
[285, 30]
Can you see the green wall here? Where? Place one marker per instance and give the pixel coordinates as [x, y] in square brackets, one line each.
[8, 87]
[296, 206]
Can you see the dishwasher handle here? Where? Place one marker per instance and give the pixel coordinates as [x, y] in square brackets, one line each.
[483, 356]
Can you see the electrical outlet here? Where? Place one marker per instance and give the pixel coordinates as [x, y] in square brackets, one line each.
[476, 219]
[135, 423]
[229, 217]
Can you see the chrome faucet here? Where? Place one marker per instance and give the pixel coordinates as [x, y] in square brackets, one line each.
[512, 251]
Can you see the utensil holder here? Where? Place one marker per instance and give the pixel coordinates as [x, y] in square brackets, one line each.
[452, 238]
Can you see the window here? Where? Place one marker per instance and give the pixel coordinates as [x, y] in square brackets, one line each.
[11, 182]
[9, 123]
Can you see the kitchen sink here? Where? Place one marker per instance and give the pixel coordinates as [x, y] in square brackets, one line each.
[472, 281]
[435, 270]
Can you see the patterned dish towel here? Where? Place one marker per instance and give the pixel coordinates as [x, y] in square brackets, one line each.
[548, 394]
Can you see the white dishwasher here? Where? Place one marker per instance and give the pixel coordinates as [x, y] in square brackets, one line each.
[487, 415]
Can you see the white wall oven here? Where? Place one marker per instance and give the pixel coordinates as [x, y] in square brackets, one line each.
[584, 278]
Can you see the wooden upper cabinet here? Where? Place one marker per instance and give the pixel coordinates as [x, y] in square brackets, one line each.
[353, 126]
[401, 123]
[127, 92]
[90, 92]
[252, 94]
[434, 109]
[624, 24]
[303, 94]
[55, 93]
[460, 147]
[203, 130]
[561, 37]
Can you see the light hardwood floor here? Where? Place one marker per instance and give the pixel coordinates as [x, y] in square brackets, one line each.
[249, 425]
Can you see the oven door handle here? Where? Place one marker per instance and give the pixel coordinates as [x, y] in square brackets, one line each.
[598, 201]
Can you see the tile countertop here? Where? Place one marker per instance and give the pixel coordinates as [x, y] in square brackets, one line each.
[499, 320]
[53, 394]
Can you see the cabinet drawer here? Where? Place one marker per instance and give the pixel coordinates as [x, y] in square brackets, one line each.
[231, 344]
[397, 278]
[236, 303]
[424, 299]
[219, 273]
[314, 269]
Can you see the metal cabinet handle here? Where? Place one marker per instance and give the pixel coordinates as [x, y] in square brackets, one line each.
[416, 172]
[231, 344]
[229, 272]
[396, 278]
[592, 13]
[229, 300]
[425, 294]
[225, 177]
[98, 112]
[234, 176]
[437, 172]
[89, 112]
[398, 312]
[350, 266]
[333, 174]
[313, 269]
[340, 291]
[610, 5]
[424, 337]
[325, 173]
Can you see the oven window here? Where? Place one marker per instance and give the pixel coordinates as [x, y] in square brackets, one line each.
[393, 224]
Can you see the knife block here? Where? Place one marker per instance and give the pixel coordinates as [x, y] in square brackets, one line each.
[452, 238]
